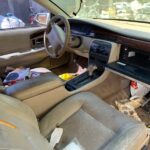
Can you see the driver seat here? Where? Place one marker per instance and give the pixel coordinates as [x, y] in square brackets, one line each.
[83, 116]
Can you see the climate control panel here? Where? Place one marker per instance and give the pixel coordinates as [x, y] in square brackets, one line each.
[99, 53]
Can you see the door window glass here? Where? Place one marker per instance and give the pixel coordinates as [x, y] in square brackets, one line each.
[21, 14]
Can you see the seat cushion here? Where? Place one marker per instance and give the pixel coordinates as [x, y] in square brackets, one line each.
[33, 87]
[19, 128]
[94, 123]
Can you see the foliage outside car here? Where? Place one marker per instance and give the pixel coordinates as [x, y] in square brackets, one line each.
[137, 10]
[116, 9]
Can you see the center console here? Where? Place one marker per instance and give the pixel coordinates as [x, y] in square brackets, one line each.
[99, 53]
[98, 59]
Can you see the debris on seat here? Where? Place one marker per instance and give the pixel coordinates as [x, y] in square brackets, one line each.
[18, 74]
[14, 75]
[56, 137]
[69, 76]
[36, 72]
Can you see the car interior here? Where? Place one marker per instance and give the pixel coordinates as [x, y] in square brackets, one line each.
[112, 53]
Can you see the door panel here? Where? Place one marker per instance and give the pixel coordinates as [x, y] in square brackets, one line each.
[25, 47]
[22, 59]
[17, 40]
[18, 47]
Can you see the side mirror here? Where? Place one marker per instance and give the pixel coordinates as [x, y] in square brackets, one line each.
[42, 18]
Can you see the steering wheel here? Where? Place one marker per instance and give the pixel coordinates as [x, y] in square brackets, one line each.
[56, 39]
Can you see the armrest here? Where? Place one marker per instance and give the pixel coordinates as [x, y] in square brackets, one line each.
[33, 87]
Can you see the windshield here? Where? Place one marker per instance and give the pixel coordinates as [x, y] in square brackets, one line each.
[137, 10]
[134, 10]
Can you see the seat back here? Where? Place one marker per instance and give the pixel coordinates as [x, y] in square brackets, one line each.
[19, 127]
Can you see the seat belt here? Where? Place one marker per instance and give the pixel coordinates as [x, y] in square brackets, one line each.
[56, 137]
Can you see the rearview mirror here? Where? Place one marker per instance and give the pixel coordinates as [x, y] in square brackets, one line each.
[42, 18]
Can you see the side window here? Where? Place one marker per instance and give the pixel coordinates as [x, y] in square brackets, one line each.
[22, 13]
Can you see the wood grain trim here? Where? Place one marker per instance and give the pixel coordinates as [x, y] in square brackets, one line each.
[134, 43]
[128, 41]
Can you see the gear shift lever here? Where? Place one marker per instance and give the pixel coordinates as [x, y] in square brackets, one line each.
[91, 69]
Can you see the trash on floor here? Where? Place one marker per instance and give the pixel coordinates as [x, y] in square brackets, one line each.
[129, 107]
[138, 89]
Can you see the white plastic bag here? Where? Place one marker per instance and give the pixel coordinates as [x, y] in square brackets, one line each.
[138, 89]
[11, 22]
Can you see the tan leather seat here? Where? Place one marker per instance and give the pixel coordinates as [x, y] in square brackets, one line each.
[95, 124]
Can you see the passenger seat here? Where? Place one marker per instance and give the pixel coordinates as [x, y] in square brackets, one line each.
[85, 117]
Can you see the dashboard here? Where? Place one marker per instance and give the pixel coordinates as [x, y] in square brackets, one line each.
[92, 30]
[132, 58]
